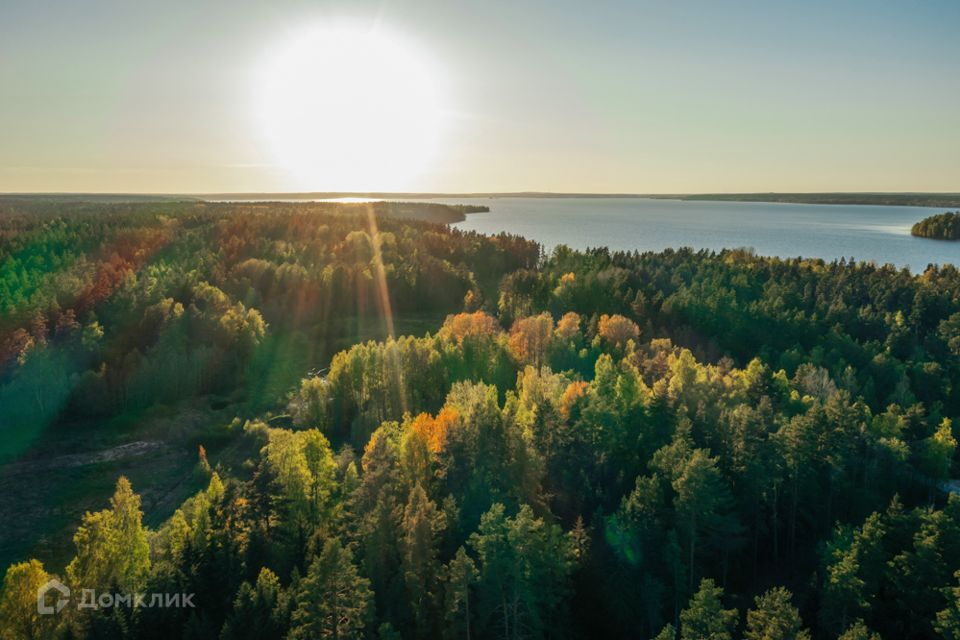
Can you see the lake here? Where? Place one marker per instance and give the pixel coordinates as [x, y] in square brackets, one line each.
[865, 232]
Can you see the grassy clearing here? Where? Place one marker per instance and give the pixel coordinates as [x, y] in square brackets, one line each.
[72, 467]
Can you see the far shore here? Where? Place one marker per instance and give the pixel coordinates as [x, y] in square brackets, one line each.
[907, 199]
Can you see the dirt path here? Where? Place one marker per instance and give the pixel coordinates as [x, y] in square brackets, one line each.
[121, 452]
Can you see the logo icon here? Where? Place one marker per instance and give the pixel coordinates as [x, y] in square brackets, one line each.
[63, 596]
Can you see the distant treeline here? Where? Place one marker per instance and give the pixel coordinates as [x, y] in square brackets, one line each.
[947, 200]
[887, 199]
[420, 195]
[101, 198]
[423, 211]
[53, 205]
[945, 226]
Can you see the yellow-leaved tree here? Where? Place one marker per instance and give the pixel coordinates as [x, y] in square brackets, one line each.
[19, 617]
[112, 548]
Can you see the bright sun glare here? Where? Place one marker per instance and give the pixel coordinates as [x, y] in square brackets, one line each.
[349, 110]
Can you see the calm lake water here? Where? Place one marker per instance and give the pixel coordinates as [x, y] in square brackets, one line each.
[864, 232]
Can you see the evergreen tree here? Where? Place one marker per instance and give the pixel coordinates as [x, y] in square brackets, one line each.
[775, 618]
[334, 600]
[704, 506]
[858, 631]
[421, 526]
[259, 611]
[524, 567]
[948, 620]
[843, 589]
[667, 633]
[705, 618]
[461, 576]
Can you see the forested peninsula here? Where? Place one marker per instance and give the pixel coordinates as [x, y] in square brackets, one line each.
[327, 421]
[945, 226]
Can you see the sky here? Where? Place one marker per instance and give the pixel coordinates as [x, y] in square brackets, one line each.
[637, 96]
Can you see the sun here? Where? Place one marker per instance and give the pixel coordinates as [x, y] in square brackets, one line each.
[346, 109]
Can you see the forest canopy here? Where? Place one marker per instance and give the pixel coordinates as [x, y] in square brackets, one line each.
[434, 433]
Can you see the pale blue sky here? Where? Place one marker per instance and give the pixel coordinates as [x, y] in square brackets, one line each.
[635, 96]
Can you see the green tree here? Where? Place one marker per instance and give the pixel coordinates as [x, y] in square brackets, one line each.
[775, 618]
[310, 405]
[948, 620]
[303, 474]
[949, 332]
[525, 564]
[705, 618]
[461, 576]
[259, 611]
[421, 526]
[917, 575]
[858, 631]
[843, 588]
[704, 506]
[334, 600]
[669, 632]
[796, 442]
[936, 452]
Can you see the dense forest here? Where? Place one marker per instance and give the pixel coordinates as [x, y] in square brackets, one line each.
[420, 432]
[945, 226]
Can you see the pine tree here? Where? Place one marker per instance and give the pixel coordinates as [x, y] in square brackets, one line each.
[461, 576]
[704, 506]
[796, 442]
[858, 631]
[843, 588]
[917, 574]
[705, 618]
[260, 611]
[334, 600]
[775, 618]
[524, 567]
[936, 452]
[948, 620]
[421, 525]
[667, 633]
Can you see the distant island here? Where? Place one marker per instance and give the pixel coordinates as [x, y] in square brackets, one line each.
[945, 226]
